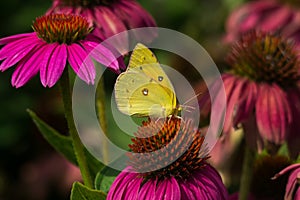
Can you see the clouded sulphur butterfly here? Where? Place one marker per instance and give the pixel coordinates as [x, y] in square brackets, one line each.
[144, 89]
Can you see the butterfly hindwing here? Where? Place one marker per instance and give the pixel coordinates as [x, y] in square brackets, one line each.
[138, 94]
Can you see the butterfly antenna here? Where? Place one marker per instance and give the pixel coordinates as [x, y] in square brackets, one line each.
[192, 98]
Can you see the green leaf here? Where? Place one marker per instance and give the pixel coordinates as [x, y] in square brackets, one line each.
[283, 150]
[105, 178]
[59, 142]
[63, 144]
[80, 192]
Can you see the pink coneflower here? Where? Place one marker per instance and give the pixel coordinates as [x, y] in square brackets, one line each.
[264, 15]
[187, 177]
[109, 17]
[292, 191]
[56, 40]
[262, 89]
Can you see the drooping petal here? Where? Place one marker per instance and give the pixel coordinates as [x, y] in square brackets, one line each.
[17, 50]
[233, 87]
[292, 188]
[134, 16]
[283, 15]
[106, 56]
[148, 190]
[212, 183]
[81, 63]
[110, 25]
[28, 67]
[13, 38]
[272, 113]
[53, 64]
[188, 190]
[168, 189]
[116, 191]
[246, 103]
[132, 190]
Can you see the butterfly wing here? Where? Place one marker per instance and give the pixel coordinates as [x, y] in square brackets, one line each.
[142, 57]
[140, 95]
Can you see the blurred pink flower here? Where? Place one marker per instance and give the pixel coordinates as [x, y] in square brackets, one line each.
[188, 176]
[264, 15]
[292, 191]
[56, 39]
[110, 17]
[261, 88]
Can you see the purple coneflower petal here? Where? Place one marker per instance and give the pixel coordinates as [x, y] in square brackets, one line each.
[168, 189]
[246, 102]
[234, 92]
[274, 114]
[81, 63]
[28, 67]
[13, 38]
[117, 189]
[148, 190]
[282, 16]
[132, 190]
[103, 55]
[292, 188]
[53, 64]
[16, 51]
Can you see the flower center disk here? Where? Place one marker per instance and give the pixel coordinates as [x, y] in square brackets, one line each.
[61, 28]
[264, 57]
[164, 148]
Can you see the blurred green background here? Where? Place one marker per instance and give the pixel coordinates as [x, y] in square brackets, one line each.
[29, 167]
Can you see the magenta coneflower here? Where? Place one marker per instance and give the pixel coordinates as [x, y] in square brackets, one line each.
[264, 15]
[168, 165]
[292, 191]
[56, 40]
[262, 89]
[109, 17]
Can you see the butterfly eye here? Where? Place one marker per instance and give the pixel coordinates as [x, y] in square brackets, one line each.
[145, 91]
[160, 78]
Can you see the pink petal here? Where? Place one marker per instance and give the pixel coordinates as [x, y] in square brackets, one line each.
[147, 191]
[273, 113]
[233, 90]
[28, 67]
[13, 38]
[53, 64]
[246, 103]
[104, 55]
[17, 50]
[276, 20]
[132, 190]
[168, 189]
[109, 24]
[81, 63]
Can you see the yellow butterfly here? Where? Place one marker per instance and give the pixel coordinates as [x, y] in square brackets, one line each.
[144, 89]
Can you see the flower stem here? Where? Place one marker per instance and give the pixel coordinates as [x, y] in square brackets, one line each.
[246, 178]
[100, 102]
[77, 144]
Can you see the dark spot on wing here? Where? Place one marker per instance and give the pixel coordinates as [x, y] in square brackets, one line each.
[145, 91]
[141, 68]
[160, 78]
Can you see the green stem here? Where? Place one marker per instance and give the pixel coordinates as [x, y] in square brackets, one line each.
[100, 103]
[77, 144]
[246, 178]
